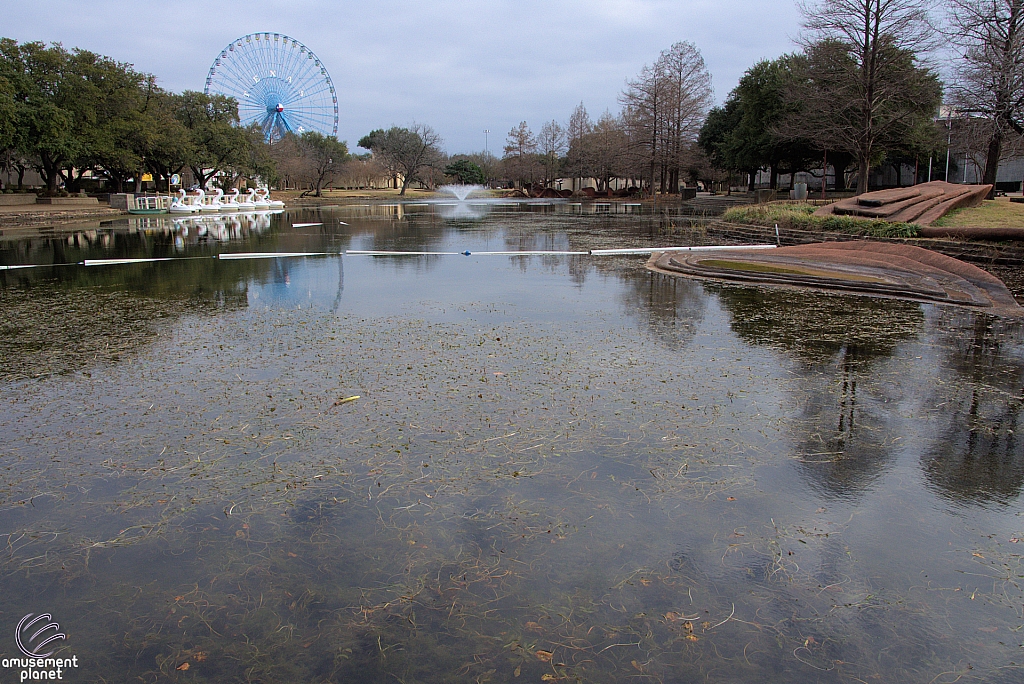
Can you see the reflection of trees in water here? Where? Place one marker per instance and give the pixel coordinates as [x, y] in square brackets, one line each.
[406, 233]
[159, 238]
[668, 306]
[87, 244]
[546, 241]
[841, 429]
[978, 457]
[814, 326]
[50, 326]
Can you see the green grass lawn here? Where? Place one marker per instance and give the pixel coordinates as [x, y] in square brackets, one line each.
[998, 213]
[799, 217]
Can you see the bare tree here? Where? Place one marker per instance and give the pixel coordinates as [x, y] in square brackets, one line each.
[989, 81]
[577, 159]
[361, 173]
[520, 154]
[411, 153]
[551, 144]
[690, 99]
[312, 160]
[609, 149]
[864, 84]
[644, 103]
[665, 107]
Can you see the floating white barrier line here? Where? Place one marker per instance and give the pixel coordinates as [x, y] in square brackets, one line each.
[273, 255]
[112, 262]
[371, 252]
[706, 248]
[523, 253]
[364, 252]
[16, 266]
[342, 223]
[305, 225]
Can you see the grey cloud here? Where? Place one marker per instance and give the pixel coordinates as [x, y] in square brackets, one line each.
[460, 67]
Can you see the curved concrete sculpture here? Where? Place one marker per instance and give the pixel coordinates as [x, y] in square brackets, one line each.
[921, 204]
[867, 268]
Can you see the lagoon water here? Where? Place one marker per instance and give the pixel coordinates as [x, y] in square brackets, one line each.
[558, 468]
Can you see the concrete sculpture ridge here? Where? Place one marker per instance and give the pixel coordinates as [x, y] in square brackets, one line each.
[860, 267]
[921, 204]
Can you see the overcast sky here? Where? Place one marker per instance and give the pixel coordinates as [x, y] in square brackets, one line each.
[460, 67]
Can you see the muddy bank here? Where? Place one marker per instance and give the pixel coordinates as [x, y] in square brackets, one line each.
[38, 217]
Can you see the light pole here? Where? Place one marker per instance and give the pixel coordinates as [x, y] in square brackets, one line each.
[949, 139]
[486, 151]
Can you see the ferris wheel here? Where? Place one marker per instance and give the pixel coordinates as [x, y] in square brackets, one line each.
[279, 83]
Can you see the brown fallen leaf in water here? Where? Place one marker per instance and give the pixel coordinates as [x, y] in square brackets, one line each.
[644, 581]
[672, 617]
[518, 671]
[977, 555]
[544, 655]
[638, 666]
[989, 630]
[691, 637]
[182, 667]
[688, 626]
[200, 657]
[731, 498]
[533, 627]
[292, 555]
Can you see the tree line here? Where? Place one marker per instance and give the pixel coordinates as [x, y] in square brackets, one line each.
[65, 113]
[863, 90]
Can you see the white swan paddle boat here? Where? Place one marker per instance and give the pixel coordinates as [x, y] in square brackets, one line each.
[246, 203]
[182, 205]
[274, 204]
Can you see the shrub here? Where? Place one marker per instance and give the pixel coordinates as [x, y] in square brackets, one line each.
[800, 217]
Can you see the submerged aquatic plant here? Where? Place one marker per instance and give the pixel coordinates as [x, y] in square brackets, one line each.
[588, 473]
